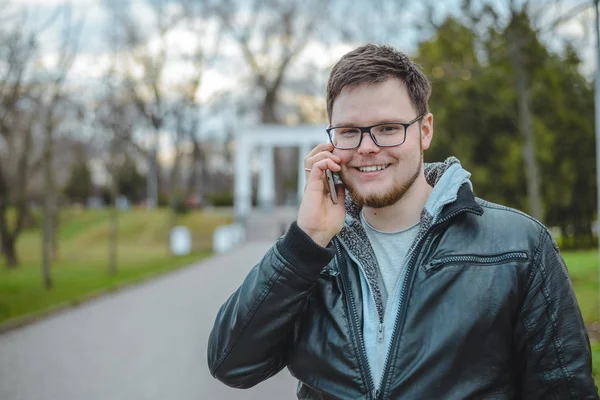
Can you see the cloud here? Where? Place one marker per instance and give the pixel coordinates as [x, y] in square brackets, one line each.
[53, 3]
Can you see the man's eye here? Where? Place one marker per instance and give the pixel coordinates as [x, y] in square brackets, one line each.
[388, 129]
[348, 131]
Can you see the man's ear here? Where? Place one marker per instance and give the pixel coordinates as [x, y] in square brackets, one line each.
[426, 131]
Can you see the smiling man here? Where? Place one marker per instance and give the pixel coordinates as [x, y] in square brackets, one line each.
[411, 287]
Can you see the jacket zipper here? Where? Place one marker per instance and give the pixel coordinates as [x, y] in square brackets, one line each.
[355, 326]
[401, 313]
[407, 273]
[516, 255]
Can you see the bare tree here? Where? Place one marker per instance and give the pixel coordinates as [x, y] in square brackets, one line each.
[17, 49]
[187, 105]
[146, 48]
[270, 38]
[21, 92]
[53, 99]
[168, 104]
[114, 120]
[172, 107]
[271, 34]
[376, 21]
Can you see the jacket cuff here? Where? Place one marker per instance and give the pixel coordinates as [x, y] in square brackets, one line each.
[306, 256]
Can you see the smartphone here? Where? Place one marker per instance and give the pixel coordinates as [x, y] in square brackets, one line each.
[331, 183]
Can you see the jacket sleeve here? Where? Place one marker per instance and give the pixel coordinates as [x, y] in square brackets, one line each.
[252, 329]
[551, 338]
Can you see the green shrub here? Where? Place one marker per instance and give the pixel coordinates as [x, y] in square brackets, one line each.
[179, 205]
[582, 242]
[220, 199]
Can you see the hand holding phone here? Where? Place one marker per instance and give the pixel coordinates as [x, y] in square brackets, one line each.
[321, 215]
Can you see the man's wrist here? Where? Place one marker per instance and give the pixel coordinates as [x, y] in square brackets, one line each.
[320, 238]
[303, 253]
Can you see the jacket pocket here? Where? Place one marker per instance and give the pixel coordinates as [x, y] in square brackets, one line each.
[475, 260]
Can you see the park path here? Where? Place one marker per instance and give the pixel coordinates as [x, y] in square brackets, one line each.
[144, 343]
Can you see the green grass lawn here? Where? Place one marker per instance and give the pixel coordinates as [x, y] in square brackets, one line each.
[583, 268]
[82, 264]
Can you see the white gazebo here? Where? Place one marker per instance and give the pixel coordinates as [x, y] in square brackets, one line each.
[263, 138]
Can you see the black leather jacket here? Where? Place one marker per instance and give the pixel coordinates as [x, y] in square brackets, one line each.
[489, 314]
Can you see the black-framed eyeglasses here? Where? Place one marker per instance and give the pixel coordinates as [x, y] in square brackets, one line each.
[388, 134]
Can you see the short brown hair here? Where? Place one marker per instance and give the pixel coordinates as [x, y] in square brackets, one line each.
[374, 64]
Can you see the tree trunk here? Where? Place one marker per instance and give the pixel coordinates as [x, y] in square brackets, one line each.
[9, 251]
[9, 237]
[192, 187]
[113, 240]
[151, 180]
[48, 210]
[198, 180]
[154, 179]
[174, 196]
[7, 240]
[113, 229]
[525, 123]
[268, 108]
[204, 182]
[279, 159]
[47, 252]
[54, 245]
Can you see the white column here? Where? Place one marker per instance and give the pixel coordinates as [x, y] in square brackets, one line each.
[304, 149]
[266, 183]
[242, 179]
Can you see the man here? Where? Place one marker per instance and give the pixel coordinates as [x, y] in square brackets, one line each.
[410, 287]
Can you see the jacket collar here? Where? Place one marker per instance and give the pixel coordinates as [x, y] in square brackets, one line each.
[452, 190]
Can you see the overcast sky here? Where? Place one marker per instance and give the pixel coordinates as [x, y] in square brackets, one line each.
[94, 55]
[93, 47]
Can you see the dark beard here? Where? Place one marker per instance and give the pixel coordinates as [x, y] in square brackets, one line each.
[387, 199]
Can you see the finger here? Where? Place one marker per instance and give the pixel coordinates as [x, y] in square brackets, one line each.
[323, 147]
[319, 148]
[319, 157]
[318, 169]
[309, 161]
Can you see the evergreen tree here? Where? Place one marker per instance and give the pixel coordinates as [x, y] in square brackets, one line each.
[475, 105]
[80, 185]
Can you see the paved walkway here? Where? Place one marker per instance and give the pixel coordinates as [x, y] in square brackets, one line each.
[144, 343]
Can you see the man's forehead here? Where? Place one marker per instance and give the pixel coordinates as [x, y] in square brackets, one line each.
[358, 86]
[351, 108]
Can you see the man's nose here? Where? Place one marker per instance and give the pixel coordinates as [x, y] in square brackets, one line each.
[367, 145]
